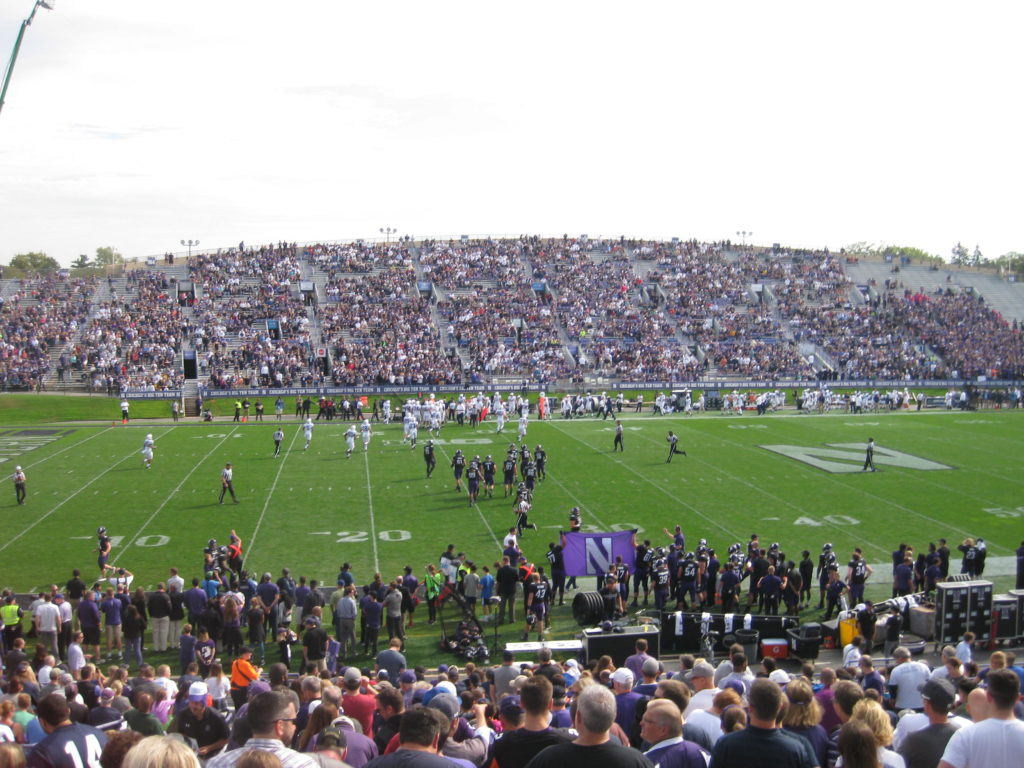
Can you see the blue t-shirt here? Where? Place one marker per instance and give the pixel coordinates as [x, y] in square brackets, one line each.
[486, 587]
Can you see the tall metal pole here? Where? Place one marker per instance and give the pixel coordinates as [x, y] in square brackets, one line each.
[48, 4]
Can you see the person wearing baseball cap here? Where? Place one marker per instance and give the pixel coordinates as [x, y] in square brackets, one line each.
[924, 736]
[473, 749]
[625, 698]
[702, 678]
[198, 721]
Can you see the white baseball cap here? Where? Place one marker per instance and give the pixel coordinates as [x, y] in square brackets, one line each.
[622, 676]
[17, 469]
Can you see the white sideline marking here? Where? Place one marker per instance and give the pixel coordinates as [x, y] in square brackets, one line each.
[170, 496]
[373, 521]
[40, 519]
[270, 495]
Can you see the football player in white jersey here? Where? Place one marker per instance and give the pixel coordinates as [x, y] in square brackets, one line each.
[365, 431]
[307, 428]
[350, 441]
[147, 451]
[522, 427]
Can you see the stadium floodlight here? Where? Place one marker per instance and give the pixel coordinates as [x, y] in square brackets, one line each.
[191, 244]
[744, 234]
[48, 5]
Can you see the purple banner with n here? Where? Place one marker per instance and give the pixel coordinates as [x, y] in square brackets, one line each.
[591, 554]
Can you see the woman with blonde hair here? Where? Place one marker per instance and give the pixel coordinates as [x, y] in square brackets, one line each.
[11, 755]
[803, 717]
[160, 752]
[7, 720]
[874, 717]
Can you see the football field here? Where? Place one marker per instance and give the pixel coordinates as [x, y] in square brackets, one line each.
[791, 478]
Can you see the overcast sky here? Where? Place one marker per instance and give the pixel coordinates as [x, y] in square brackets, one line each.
[139, 124]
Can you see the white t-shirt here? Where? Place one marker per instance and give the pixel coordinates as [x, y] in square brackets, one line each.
[908, 677]
[886, 757]
[700, 700]
[991, 743]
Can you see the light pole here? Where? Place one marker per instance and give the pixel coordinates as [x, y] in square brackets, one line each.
[743, 234]
[191, 244]
[388, 232]
[48, 5]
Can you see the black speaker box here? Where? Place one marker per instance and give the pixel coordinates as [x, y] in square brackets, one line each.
[619, 645]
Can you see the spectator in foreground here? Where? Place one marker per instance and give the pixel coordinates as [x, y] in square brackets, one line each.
[64, 741]
[998, 740]
[593, 718]
[160, 752]
[271, 716]
[762, 744]
[419, 736]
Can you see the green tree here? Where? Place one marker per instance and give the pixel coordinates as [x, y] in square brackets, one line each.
[107, 256]
[1012, 263]
[82, 262]
[960, 255]
[34, 262]
[976, 257]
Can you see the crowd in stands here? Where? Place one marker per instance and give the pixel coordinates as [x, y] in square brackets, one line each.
[380, 331]
[357, 257]
[456, 266]
[636, 310]
[273, 267]
[507, 331]
[972, 339]
[42, 315]
[136, 339]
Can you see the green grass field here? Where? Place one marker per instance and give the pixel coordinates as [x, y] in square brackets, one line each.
[941, 474]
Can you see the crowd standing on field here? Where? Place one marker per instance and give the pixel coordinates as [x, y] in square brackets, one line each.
[367, 706]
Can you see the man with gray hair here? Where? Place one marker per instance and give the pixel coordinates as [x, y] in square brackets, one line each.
[906, 680]
[271, 716]
[594, 715]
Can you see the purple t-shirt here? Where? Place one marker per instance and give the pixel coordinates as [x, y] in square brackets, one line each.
[111, 608]
[625, 710]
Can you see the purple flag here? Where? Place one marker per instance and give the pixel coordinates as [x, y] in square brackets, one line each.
[590, 554]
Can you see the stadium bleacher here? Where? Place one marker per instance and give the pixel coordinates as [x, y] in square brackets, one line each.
[528, 309]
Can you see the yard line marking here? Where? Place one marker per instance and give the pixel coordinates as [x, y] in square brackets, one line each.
[671, 495]
[373, 521]
[762, 492]
[908, 510]
[40, 519]
[477, 508]
[68, 448]
[266, 503]
[171, 494]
